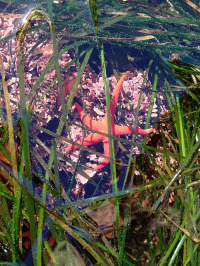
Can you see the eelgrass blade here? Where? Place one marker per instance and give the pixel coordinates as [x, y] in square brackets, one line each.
[59, 130]
[111, 147]
[152, 97]
[118, 256]
[175, 253]
[10, 124]
[184, 164]
[55, 51]
[56, 168]
[17, 192]
[136, 119]
[179, 123]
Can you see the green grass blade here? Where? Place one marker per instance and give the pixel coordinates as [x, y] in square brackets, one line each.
[185, 162]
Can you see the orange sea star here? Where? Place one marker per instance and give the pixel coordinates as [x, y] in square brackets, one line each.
[103, 127]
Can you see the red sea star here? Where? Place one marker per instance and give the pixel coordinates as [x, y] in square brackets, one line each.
[103, 127]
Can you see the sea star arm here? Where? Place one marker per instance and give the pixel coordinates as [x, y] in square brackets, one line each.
[116, 93]
[115, 97]
[92, 139]
[89, 122]
[125, 130]
[106, 153]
